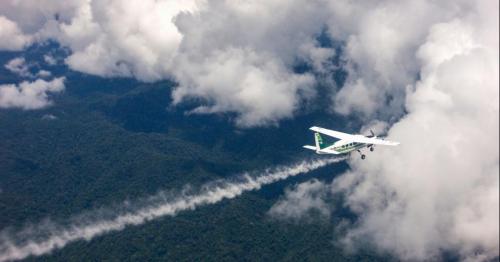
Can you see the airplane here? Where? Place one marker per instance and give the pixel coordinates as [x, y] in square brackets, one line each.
[346, 144]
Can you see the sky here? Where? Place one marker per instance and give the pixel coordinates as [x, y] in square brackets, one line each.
[424, 72]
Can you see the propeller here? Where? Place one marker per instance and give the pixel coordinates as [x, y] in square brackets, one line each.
[372, 134]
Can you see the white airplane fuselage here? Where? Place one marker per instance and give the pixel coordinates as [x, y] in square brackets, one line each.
[342, 147]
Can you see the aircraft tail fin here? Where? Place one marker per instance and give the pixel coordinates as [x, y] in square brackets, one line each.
[320, 144]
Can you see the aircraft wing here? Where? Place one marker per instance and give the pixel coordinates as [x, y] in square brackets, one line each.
[353, 138]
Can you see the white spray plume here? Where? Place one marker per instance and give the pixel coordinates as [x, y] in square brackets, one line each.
[35, 241]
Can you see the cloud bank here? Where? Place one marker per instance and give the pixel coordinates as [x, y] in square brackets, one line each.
[437, 191]
[234, 56]
[239, 56]
[46, 237]
[443, 179]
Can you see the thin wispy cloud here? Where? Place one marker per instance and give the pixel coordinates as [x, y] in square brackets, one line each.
[45, 237]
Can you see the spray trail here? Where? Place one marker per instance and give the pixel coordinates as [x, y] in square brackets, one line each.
[46, 237]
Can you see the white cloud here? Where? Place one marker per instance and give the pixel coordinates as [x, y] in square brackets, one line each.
[49, 117]
[107, 38]
[18, 66]
[117, 38]
[29, 95]
[12, 37]
[50, 60]
[303, 202]
[236, 80]
[381, 40]
[43, 73]
[33, 16]
[153, 40]
[439, 189]
[239, 56]
[356, 96]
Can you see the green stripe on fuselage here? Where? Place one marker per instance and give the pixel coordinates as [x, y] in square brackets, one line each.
[350, 147]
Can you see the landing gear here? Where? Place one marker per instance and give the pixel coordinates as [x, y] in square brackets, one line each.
[362, 156]
[371, 148]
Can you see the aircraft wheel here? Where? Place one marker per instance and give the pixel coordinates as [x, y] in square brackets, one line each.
[371, 149]
[363, 156]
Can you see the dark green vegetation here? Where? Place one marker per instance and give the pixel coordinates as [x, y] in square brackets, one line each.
[117, 139]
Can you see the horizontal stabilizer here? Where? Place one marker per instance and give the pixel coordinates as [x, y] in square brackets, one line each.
[310, 147]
